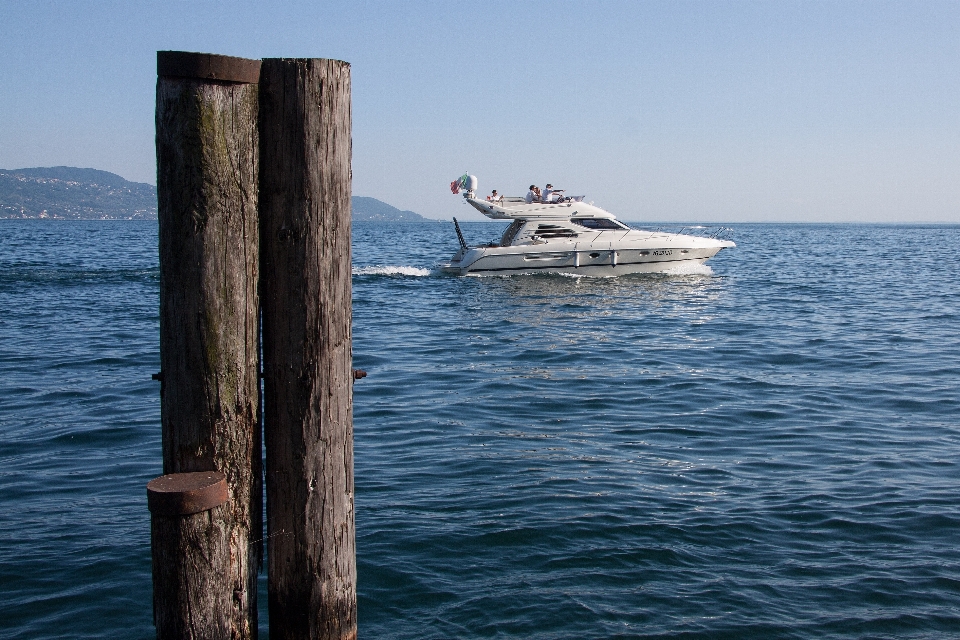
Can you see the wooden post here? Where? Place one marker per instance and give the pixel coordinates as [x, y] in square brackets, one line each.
[190, 541]
[305, 181]
[207, 154]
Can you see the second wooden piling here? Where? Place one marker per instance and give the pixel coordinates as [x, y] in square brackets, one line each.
[305, 184]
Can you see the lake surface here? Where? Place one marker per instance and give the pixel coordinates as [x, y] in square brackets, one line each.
[763, 448]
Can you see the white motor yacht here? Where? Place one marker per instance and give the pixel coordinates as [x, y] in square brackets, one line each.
[571, 236]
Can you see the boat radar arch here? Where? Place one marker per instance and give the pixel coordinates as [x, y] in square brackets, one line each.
[471, 187]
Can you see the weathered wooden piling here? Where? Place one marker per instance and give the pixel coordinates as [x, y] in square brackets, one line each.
[207, 157]
[305, 182]
[190, 544]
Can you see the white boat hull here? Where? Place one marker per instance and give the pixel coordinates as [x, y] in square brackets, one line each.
[577, 260]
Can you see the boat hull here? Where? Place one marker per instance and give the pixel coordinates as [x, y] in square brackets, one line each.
[588, 262]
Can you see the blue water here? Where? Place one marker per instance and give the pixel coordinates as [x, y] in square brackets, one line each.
[765, 448]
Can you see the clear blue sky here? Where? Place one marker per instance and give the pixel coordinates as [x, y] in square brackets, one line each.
[696, 111]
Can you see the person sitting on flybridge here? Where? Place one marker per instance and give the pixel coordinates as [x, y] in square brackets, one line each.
[533, 195]
[549, 192]
[495, 197]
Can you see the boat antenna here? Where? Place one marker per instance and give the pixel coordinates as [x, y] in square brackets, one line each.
[463, 243]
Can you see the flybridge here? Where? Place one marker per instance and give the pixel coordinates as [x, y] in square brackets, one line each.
[518, 209]
[513, 208]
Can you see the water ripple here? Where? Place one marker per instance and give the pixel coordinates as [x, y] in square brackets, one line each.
[762, 448]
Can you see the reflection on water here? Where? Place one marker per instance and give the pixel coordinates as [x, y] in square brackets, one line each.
[580, 306]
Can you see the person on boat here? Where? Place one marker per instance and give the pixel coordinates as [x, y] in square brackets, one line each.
[495, 197]
[549, 192]
[534, 194]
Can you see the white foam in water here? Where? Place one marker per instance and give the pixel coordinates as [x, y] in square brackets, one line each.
[690, 270]
[391, 271]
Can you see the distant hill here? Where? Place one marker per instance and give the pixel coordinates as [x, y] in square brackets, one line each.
[373, 210]
[69, 193]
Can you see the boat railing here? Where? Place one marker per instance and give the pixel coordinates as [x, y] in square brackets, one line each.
[701, 231]
[521, 200]
[463, 243]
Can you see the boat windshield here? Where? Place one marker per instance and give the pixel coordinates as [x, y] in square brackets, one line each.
[510, 233]
[599, 223]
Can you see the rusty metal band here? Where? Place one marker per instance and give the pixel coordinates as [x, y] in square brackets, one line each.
[207, 66]
[183, 494]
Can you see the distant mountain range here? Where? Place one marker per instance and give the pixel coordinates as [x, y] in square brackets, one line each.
[69, 193]
[74, 194]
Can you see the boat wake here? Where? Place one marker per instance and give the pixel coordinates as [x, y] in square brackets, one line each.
[391, 271]
[690, 270]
